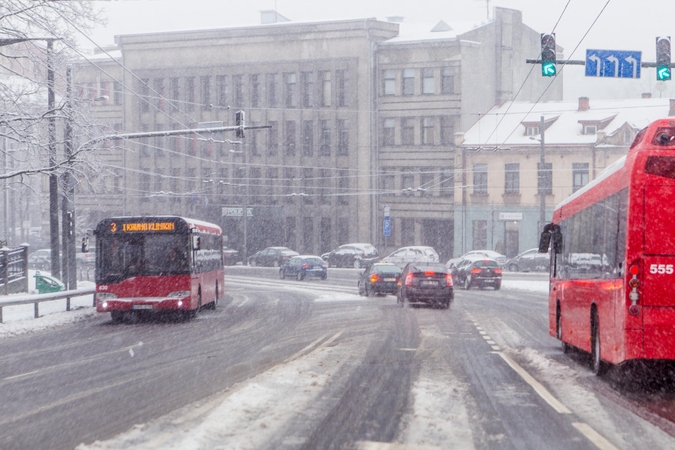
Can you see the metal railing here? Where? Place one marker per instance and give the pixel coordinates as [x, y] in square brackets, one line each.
[36, 299]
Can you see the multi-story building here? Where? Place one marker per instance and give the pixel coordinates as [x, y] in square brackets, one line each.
[361, 114]
[498, 197]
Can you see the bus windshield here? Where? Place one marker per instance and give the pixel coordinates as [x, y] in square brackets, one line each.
[142, 255]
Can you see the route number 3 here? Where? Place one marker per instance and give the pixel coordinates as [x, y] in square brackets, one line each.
[661, 268]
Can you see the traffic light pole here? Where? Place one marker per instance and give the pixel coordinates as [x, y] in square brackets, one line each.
[577, 62]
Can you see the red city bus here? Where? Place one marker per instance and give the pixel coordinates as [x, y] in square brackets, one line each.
[157, 264]
[613, 257]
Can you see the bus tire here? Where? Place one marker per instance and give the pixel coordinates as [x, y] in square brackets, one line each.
[598, 366]
[559, 333]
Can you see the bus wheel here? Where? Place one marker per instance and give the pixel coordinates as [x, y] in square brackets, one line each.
[598, 366]
[559, 334]
[215, 300]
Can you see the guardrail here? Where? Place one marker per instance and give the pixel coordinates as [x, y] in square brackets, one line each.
[36, 299]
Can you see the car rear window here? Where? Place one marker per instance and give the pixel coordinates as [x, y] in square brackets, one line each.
[486, 263]
[427, 267]
[388, 269]
[314, 260]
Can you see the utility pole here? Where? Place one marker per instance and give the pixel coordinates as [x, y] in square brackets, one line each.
[53, 177]
[68, 209]
[542, 178]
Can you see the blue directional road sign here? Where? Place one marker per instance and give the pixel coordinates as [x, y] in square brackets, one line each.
[386, 227]
[613, 63]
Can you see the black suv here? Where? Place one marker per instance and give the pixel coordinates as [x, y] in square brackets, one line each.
[352, 255]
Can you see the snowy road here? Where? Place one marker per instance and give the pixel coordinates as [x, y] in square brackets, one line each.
[287, 364]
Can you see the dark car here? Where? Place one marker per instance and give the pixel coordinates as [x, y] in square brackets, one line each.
[271, 257]
[529, 261]
[429, 283]
[379, 279]
[304, 266]
[478, 272]
[352, 255]
[230, 256]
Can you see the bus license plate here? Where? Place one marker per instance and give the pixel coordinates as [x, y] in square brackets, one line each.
[141, 306]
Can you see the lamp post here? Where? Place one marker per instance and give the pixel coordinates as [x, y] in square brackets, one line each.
[542, 162]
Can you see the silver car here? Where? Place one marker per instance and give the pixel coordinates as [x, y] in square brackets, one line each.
[416, 253]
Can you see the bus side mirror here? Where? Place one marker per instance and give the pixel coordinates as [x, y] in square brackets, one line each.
[550, 231]
[196, 244]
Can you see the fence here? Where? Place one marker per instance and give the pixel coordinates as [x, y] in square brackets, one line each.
[36, 299]
[14, 270]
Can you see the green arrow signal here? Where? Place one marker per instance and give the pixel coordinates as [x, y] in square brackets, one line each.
[548, 69]
[663, 73]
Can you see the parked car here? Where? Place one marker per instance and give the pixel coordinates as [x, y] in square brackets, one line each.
[529, 261]
[230, 256]
[304, 266]
[429, 283]
[271, 257]
[478, 254]
[404, 255]
[471, 272]
[379, 279]
[40, 259]
[352, 255]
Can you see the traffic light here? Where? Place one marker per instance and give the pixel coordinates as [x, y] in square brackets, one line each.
[663, 58]
[548, 55]
[239, 122]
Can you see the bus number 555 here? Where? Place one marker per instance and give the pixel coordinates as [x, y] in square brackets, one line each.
[661, 268]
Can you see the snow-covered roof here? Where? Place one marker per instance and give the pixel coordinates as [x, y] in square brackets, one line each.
[504, 124]
[421, 32]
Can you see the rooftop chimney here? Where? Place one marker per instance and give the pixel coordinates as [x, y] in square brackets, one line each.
[646, 95]
[672, 107]
[584, 104]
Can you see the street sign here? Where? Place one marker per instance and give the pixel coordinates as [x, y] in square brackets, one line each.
[237, 212]
[386, 227]
[387, 209]
[613, 63]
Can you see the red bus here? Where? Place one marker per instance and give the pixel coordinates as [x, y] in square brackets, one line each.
[157, 264]
[613, 257]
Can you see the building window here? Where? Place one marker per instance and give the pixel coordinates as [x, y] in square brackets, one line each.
[290, 232]
[407, 232]
[238, 87]
[343, 187]
[159, 94]
[272, 178]
[407, 180]
[144, 184]
[531, 131]
[389, 82]
[545, 178]
[289, 143]
[627, 136]
[343, 137]
[326, 89]
[255, 194]
[190, 93]
[480, 179]
[223, 91]
[206, 92]
[428, 86]
[307, 89]
[590, 129]
[428, 130]
[326, 236]
[447, 80]
[307, 138]
[272, 82]
[254, 84]
[388, 132]
[387, 181]
[479, 234]
[159, 185]
[308, 233]
[512, 178]
[324, 187]
[273, 139]
[144, 96]
[407, 131]
[447, 130]
[175, 185]
[324, 146]
[290, 90]
[308, 185]
[159, 142]
[408, 86]
[343, 230]
[289, 184]
[447, 184]
[253, 138]
[427, 184]
[579, 176]
[118, 93]
[341, 82]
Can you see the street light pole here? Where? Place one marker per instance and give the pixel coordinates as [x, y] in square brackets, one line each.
[53, 177]
[542, 192]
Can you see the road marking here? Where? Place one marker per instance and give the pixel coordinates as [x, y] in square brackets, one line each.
[372, 445]
[20, 376]
[408, 349]
[593, 436]
[243, 303]
[487, 338]
[307, 348]
[482, 332]
[494, 347]
[538, 387]
[491, 342]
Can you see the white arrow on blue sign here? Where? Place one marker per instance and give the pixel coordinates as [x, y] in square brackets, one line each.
[613, 63]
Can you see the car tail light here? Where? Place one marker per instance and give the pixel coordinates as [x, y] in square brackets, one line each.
[374, 278]
[429, 273]
[476, 270]
[498, 270]
[305, 266]
[448, 280]
[409, 279]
